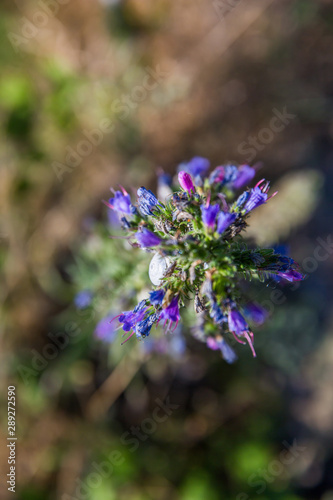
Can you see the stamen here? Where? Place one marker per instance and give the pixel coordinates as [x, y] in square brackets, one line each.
[107, 204]
[274, 194]
[115, 317]
[247, 336]
[168, 327]
[260, 182]
[238, 339]
[265, 188]
[125, 193]
[127, 338]
[176, 325]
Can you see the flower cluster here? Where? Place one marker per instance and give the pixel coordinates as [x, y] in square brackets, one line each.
[199, 254]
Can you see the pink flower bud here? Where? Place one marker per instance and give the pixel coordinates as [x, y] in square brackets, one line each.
[186, 182]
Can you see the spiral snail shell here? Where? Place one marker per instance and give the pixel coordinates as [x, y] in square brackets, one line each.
[157, 268]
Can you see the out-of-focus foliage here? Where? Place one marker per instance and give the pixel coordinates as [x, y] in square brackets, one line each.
[299, 195]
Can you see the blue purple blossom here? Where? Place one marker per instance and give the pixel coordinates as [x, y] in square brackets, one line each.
[208, 214]
[83, 299]
[147, 239]
[147, 201]
[258, 195]
[186, 182]
[230, 174]
[194, 260]
[131, 318]
[242, 199]
[156, 297]
[142, 328]
[244, 176]
[217, 176]
[255, 313]
[291, 275]
[224, 220]
[236, 322]
[121, 203]
[171, 312]
[256, 198]
[105, 330]
[197, 167]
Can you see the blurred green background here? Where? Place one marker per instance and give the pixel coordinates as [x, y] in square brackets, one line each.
[93, 94]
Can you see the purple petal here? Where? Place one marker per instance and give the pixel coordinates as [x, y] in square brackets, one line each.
[146, 238]
[224, 220]
[185, 181]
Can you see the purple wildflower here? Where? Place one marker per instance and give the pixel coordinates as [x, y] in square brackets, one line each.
[217, 176]
[147, 239]
[83, 299]
[130, 318]
[239, 327]
[230, 174]
[171, 312]
[186, 182]
[284, 268]
[245, 175]
[291, 275]
[142, 328]
[224, 220]
[258, 196]
[197, 167]
[105, 330]
[147, 201]
[156, 297]
[236, 322]
[255, 313]
[209, 214]
[121, 202]
[113, 219]
[242, 199]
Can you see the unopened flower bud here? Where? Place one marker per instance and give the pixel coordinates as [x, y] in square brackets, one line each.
[186, 182]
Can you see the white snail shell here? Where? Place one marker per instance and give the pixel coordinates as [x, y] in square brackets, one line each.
[157, 267]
